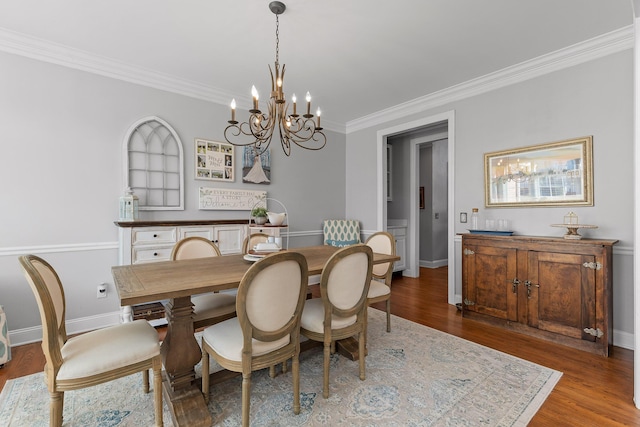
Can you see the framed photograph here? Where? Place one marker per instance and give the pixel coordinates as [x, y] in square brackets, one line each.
[256, 167]
[554, 174]
[214, 161]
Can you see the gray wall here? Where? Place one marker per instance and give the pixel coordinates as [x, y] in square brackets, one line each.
[593, 98]
[61, 177]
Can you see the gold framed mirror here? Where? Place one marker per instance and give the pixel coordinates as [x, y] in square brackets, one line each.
[553, 174]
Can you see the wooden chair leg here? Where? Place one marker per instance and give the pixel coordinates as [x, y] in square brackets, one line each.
[284, 367]
[361, 352]
[389, 315]
[205, 375]
[327, 360]
[295, 371]
[145, 380]
[55, 408]
[246, 398]
[272, 371]
[157, 391]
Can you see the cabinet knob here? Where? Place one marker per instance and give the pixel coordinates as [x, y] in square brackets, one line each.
[155, 254]
[155, 235]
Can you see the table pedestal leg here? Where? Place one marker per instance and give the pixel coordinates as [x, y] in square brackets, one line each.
[180, 353]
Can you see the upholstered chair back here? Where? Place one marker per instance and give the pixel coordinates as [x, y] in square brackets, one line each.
[270, 301]
[252, 240]
[194, 247]
[341, 232]
[382, 242]
[47, 288]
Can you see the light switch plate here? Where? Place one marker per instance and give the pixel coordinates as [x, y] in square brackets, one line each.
[463, 217]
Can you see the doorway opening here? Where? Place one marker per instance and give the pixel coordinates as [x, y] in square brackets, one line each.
[445, 124]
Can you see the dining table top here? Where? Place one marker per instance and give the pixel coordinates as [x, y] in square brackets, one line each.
[140, 283]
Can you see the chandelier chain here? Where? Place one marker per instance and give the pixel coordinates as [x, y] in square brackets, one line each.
[277, 39]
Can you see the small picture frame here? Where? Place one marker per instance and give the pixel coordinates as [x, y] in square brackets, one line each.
[214, 160]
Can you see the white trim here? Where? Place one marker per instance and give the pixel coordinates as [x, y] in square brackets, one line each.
[434, 264]
[74, 326]
[49, 249]
[588, 50]
[636, 225]
[381, 204]
[66, 56]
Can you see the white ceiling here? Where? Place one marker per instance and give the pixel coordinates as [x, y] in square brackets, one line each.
[356, 57]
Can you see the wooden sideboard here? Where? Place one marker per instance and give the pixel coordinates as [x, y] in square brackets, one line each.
[551, 288]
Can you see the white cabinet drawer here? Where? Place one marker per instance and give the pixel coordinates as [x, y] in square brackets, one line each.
[206, 232]
[145, 236]
[151, 254]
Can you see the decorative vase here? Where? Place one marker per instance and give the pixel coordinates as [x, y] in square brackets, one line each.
[260, 220]
[276, 218]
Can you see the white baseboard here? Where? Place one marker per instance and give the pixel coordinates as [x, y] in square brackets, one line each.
[75, 326]
[434, 264]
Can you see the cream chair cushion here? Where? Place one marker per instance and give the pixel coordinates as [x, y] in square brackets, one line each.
[102, 350]
[226, 339]
[209, 306]
[313, 317]
[377, 289]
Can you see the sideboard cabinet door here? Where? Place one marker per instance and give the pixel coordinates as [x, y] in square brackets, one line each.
[488, 281]
[563, 296]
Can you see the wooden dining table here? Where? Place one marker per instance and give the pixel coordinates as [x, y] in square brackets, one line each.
[177, 281]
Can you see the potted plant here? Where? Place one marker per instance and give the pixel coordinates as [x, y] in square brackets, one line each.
[259, 215]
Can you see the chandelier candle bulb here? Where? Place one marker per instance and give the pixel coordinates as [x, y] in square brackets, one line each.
[294, 99]
[233, 111]
[254, 93]
[318, 114]
[308, 106]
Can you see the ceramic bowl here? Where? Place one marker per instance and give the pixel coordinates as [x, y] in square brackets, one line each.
[276, 218]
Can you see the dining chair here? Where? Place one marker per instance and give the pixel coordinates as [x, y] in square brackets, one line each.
[341, 310]
[341, 232]
[266, 331]
[93, 357]
[382, 242]
[252, 240]
[212, 307]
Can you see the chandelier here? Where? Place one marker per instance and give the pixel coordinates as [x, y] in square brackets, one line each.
[300, 130]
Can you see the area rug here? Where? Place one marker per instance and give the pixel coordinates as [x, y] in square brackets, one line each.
[416, 376]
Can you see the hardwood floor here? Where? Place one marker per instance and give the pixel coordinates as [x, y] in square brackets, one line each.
[593, 390]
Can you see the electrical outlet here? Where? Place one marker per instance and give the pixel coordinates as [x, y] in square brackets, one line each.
[463, 217]
[102, 291]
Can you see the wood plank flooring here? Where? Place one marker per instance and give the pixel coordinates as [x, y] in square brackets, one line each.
[593, 391]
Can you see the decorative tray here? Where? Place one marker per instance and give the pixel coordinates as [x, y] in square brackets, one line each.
[494, 232]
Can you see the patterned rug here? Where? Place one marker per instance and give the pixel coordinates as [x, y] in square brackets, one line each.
[416, 376]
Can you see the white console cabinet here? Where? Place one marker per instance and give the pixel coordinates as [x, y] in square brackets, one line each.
[153, 241]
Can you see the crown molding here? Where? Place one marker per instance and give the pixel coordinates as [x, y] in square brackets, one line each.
[588, 50]
[47, 51]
